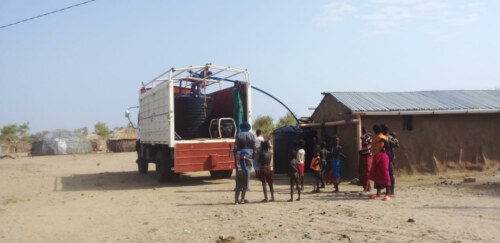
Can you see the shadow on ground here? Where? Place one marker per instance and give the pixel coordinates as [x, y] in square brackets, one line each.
[487, 188]
[126, 180]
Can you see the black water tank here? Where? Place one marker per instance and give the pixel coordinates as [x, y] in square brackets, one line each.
[284, 140]
[191, 115]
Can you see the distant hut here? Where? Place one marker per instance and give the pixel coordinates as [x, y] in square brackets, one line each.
[60, 141]
[98, 142]
[122, 140]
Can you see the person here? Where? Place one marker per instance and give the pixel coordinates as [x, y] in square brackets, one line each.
[241, 161]
[301, 157]
[323, 155]
[293, 173]
[380, 172]
[206, 73]
[379, 139]
[247, 143]
[365, 160]
[259, 139]
[335, 162]
[316, 170]
[266, 174]
[393, 144]
[197, 85]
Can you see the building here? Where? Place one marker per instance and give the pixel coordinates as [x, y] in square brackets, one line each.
[438, 130]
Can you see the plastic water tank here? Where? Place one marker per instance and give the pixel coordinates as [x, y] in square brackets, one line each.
[191, 115]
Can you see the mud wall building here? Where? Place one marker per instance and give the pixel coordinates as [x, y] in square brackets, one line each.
[438, 130]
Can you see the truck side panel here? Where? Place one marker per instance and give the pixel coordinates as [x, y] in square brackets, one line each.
[204, 156]
[157, 115]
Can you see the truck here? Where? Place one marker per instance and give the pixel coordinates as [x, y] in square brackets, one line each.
[188, 118]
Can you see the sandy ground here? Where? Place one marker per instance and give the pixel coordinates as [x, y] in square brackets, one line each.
[102, 198]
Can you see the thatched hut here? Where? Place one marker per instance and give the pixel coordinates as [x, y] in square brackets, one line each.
[60, 141]
[98, 142]
[122, 140]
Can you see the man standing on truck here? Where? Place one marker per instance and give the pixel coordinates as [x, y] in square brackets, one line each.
[245, 140]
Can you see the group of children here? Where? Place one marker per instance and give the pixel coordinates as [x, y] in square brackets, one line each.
[324, 157]
[377, 166]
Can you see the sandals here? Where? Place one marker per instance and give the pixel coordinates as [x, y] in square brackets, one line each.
[374, 196]
[386, 198]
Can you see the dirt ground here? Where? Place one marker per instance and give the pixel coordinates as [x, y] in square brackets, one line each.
[102, 198]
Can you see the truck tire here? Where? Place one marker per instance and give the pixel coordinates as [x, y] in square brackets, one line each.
[219, 174]
[142, 166]
[163, 167]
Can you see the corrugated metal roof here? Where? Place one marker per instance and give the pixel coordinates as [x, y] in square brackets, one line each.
[420, 101]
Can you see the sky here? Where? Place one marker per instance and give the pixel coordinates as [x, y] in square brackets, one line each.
[85, 65]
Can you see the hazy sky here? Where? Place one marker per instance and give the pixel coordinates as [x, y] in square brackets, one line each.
[76, 67]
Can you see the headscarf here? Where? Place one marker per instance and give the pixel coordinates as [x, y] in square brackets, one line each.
[245, 126]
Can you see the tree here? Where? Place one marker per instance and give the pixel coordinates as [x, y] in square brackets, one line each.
[101, 129]
[12, 134]
[286, 120]
[265, 124]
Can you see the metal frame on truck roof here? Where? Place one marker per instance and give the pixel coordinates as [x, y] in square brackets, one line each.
[192, 74]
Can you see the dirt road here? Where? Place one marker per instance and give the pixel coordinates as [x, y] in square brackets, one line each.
[102, 198]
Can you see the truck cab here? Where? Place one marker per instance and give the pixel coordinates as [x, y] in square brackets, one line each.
[188, 119]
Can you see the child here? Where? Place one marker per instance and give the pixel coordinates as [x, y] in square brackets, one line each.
[380, 172]
[365, 160]
[294, 174]
[316, 170]
[266, 174]
[301, 157]
[335, 162]
[323, 155]
[393, 144]
[241, 173]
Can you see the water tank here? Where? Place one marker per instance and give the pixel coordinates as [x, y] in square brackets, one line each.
[191, 115]
[284, 139]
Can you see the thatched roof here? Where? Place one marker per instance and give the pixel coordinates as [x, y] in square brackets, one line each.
[124, 134]
[93, 137]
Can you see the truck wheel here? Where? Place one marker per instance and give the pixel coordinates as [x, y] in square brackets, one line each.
[218, 174]
[142, 166]
[163, 165]
[227, 173]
